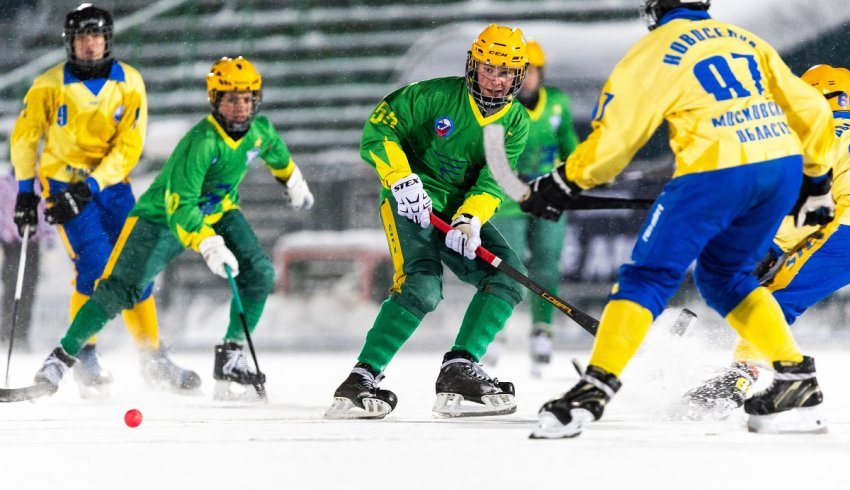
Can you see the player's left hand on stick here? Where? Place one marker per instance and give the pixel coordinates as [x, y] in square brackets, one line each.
[217, 255]
[413, 202]
[66, 205]
[550, 195]
[815, 205]
[465, 235]
[296, 191]
[26, 211]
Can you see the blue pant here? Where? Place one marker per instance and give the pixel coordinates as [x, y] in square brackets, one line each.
[822, 272]
[93, 233]
[724, 220]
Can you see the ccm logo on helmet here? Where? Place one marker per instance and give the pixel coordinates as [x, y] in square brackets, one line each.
[503, 55]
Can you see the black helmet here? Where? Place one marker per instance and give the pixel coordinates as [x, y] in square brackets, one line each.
[652, 10]
[86, 19]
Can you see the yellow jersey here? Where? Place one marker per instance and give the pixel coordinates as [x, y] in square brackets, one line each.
[728, 97]
[93, 128]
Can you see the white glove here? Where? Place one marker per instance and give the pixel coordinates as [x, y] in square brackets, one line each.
[217, 255]
[816, 210]
[465, 235]
[295, 191]
[413, 202]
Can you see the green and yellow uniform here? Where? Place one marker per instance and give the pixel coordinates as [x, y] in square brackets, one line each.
[551, 139]
[195, 196]
[433, 129]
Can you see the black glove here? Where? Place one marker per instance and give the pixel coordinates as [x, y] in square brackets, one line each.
[64, 206]
[767, 267]
[550, 195]
[815, 205]
[26, 211]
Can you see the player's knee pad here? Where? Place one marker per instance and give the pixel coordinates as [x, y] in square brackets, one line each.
[723, 291]
[420, 293]
[649, 287]
[257, 280]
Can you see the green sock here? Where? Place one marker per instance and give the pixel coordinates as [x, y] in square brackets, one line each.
[484, 318]
[253, 311]
[89, 320]
[393, 326]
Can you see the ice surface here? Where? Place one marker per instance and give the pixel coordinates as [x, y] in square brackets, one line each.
[193, 442]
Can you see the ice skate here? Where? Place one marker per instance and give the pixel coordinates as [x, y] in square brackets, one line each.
[461, 379]
[791, 404]
[235, 380]
[358, 397]
[160, 372]
[93, 381]
[721, 395]
[541, 349]
[54, 368]
[566, 416]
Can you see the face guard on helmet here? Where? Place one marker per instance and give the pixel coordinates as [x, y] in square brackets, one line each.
[234, 75]
[500, 52]
[833, 83]
[651, 11]
[88, 19]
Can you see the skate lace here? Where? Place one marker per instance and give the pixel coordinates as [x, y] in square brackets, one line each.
[473, 369]
[368, 380]
[236, 363]
[54, 369]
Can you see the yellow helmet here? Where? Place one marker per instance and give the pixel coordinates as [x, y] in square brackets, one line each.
[234, 75]
[536, 56]
[833, 83]
[499, 46]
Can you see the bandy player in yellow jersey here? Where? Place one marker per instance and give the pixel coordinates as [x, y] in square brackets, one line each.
[91, 111]
[748, 136]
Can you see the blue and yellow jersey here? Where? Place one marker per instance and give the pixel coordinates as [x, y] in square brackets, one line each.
[728, 97]
[789, 235]
[94, 128]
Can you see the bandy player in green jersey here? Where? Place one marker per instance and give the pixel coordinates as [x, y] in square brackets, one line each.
[425, 142]
[551, 139]
[194, 203]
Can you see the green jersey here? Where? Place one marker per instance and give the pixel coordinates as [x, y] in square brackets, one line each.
[200, 180]
[433, 129]
[551, 139]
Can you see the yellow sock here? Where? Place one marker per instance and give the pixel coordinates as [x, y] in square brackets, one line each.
[745, 352]
[759, 320]
[78, 299]
[142, 323]
[621, 331]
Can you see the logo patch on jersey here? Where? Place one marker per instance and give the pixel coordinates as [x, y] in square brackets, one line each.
[555, 121]
[444, 127]
[252, 154]
[119, 113]
[62, 115]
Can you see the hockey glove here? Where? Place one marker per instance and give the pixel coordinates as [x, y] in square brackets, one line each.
[770, 264]
[815, 205]
[296, 192]
[550, 195]
[26, 211]
[413, 202]
[465, 235]
[67, 204]
[217, 255]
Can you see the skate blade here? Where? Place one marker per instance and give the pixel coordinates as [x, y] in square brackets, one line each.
[344, 409]
[450, 405]
[224, 392]
[806, 420]
[549, 427]
[166, 387]
[94, 392]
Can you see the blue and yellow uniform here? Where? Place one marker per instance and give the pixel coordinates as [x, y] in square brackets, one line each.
[93, 131]
[743, 130]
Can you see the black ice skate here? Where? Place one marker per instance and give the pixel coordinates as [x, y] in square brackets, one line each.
[790, 404]
[566, 415]
[160, 372]
[54, 368]
[541, 349]
[462, 379]
[235, 380]
[93, 380]
[721, 395]
[358, 397]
